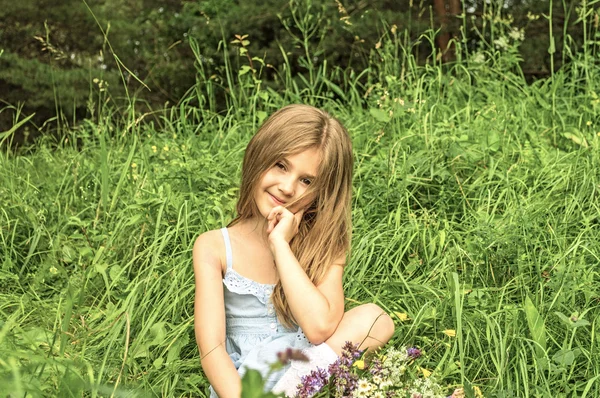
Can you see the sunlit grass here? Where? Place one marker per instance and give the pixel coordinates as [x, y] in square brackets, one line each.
[476, 214]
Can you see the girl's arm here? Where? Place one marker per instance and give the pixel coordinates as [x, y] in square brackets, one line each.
[209, 317]
[317, 309]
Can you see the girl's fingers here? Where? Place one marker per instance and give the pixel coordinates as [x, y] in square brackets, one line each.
[275, 215]
[273, 211]
[298, 216]
[280, 213]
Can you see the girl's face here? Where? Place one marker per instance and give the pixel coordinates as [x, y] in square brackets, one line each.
[286, 181]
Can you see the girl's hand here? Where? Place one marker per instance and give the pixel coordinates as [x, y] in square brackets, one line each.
[282, 224]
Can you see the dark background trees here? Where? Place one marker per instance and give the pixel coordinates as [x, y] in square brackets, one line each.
[61, 58]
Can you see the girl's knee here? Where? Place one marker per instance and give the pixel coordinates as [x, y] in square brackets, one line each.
[380, 324]
[367, 325]
[383, 325]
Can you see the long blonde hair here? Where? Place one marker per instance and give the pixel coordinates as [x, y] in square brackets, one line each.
[325, 231]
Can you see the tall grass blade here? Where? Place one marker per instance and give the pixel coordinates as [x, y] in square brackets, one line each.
[536, 327]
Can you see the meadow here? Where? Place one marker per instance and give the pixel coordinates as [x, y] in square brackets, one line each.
[476, 220]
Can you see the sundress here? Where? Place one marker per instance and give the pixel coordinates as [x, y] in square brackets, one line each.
[254, 335]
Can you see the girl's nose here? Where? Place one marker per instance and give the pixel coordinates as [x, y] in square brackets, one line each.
[286, 187]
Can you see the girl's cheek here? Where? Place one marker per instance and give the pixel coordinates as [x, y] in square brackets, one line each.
[303, 204]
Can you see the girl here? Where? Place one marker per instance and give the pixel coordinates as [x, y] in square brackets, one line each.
[272, 279]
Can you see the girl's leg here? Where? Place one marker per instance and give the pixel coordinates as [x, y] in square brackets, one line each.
[366, 324]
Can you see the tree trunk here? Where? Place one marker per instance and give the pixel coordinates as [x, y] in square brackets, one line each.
[445, 10]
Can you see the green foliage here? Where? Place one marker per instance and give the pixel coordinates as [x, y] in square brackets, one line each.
[56, 55]
[39, 84]
[253, 385]
[475, 214]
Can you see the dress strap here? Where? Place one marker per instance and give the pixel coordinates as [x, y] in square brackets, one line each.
[228, 252]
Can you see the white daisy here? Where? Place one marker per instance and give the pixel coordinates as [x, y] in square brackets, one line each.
[363, 385]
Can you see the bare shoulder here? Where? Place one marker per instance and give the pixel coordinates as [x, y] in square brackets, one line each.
[209, 250]
[209, 238]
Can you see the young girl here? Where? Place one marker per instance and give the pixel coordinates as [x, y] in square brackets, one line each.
[272, 279]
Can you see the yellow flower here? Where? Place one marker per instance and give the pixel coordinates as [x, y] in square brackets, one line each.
[166, 148]
[403, 316]
[426, 373]
[478, 392]
[154, 149]
[450, 332]
[588, 123]
[359, 364]
[53, 270]
[133, 165]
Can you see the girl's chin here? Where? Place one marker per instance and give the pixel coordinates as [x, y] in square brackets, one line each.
[265, 210]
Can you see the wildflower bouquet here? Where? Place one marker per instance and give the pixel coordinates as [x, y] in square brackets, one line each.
[388, 374]
[391, 373]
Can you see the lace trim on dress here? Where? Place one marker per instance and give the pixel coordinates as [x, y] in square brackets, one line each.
[300, 335]
[239, 284]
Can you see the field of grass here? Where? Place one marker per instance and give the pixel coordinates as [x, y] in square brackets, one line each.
[476, 223]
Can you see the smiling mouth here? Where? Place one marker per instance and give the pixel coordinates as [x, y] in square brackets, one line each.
[276, 199]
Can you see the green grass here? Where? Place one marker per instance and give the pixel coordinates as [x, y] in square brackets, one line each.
[476, 209]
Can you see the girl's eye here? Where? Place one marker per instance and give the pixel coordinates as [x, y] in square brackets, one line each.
[306, 181]
[280, 165]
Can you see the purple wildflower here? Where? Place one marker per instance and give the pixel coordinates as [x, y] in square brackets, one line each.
[376, 367]
[344, 381]
[351, 350]
[312, 383]
[289, 354]
[413, 352]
